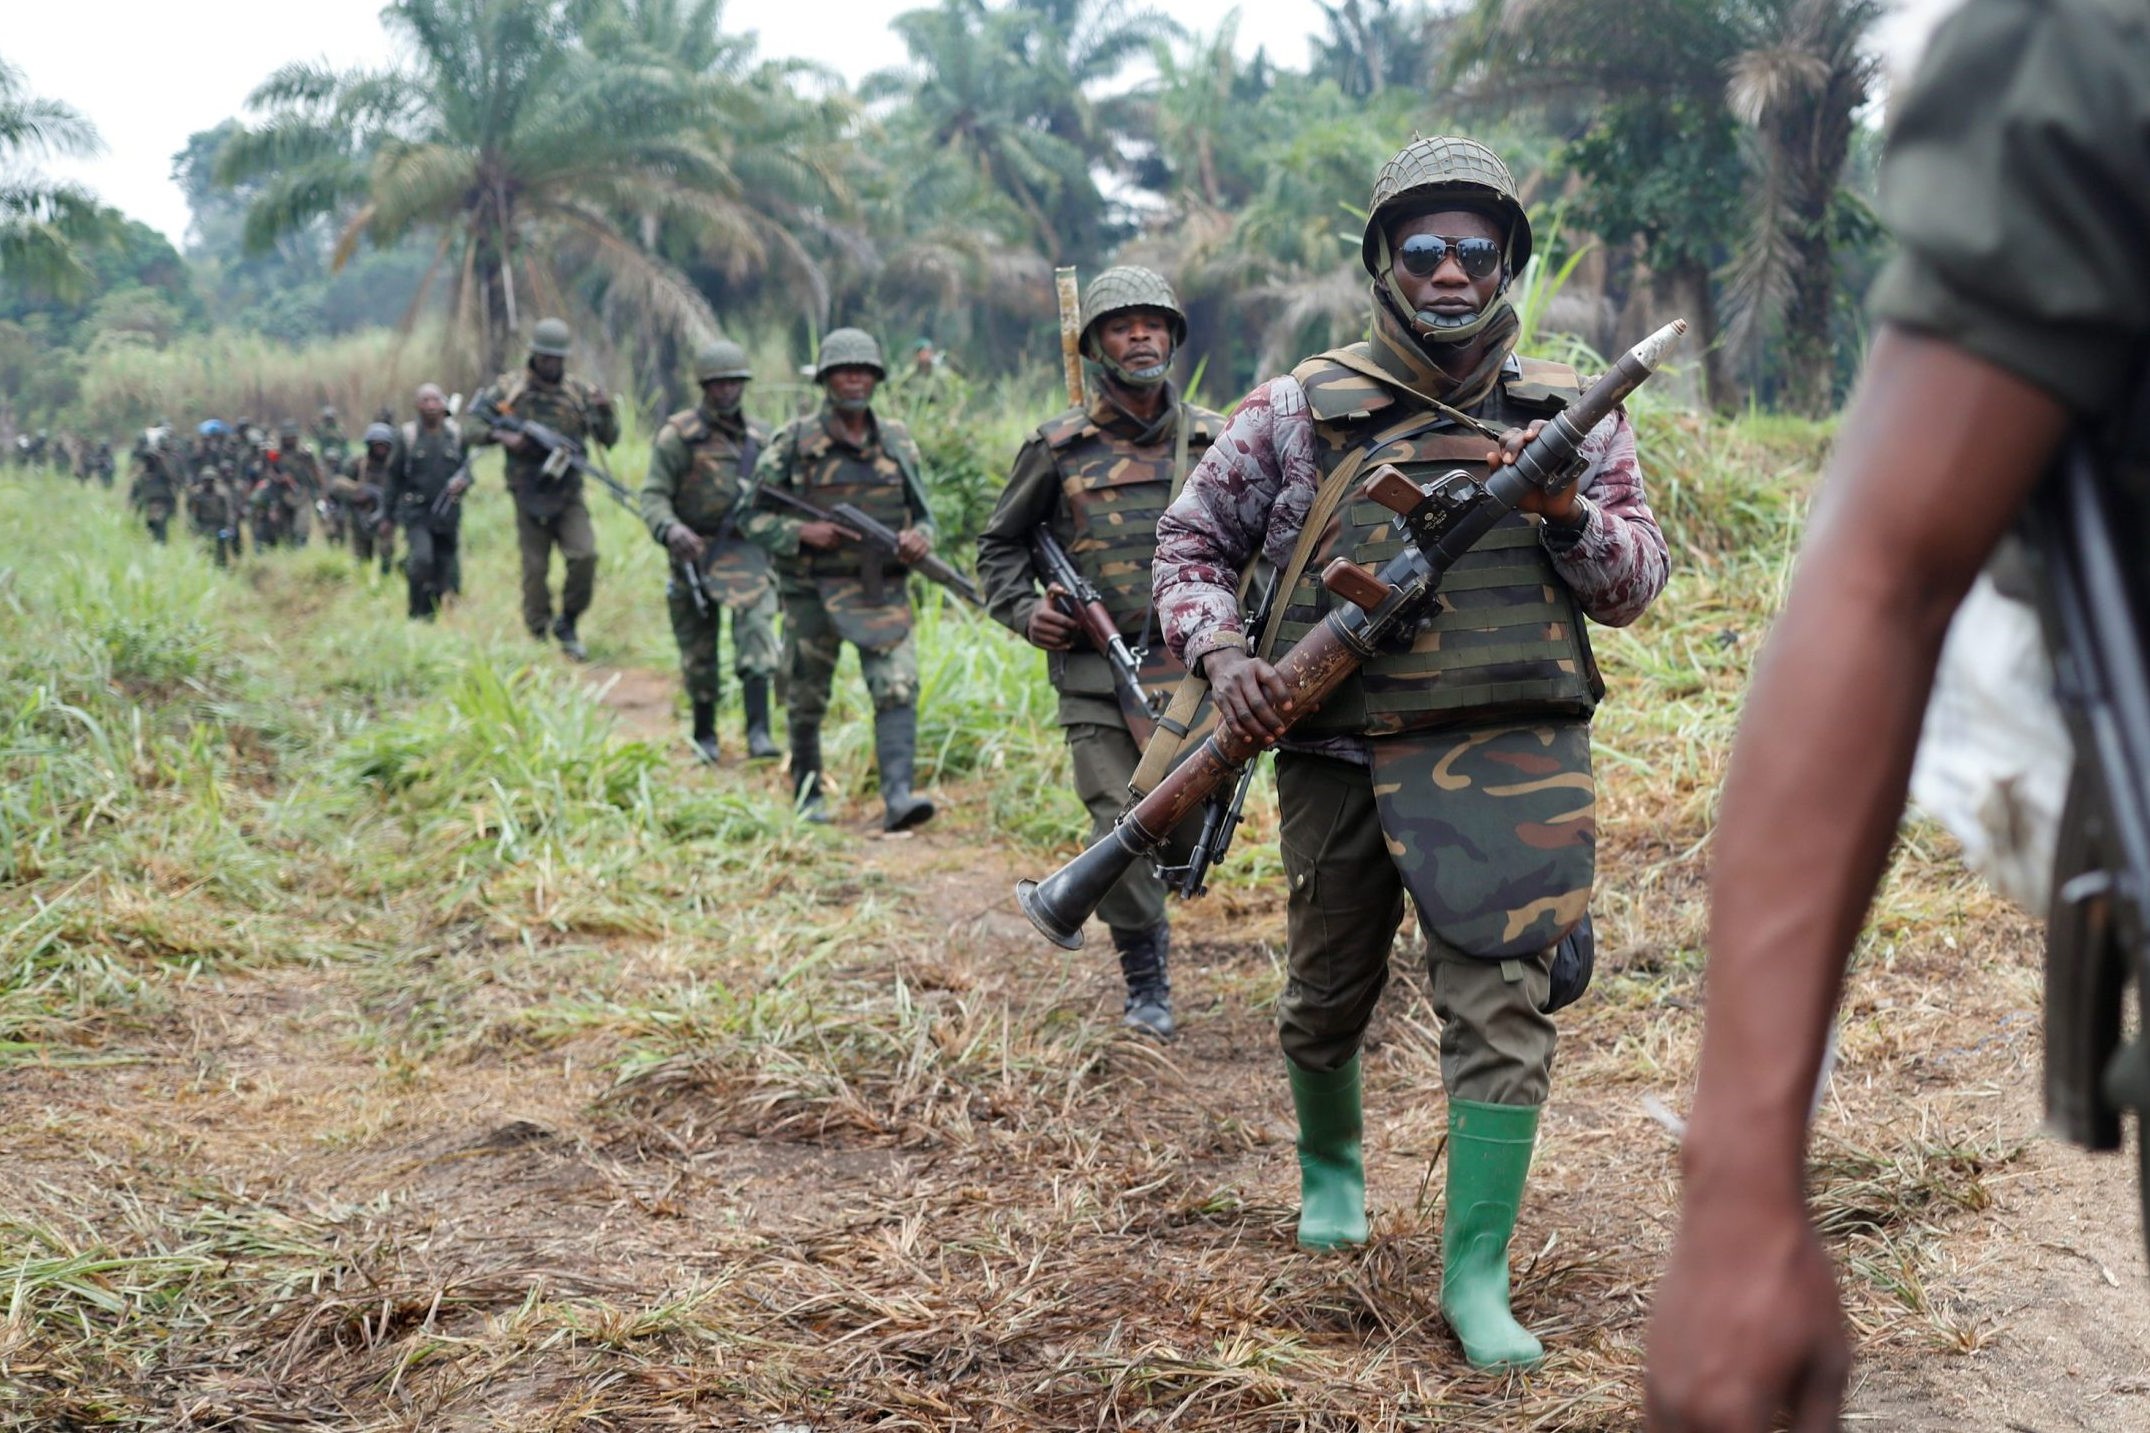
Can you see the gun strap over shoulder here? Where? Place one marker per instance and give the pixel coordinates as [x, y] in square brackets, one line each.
[1327, 499]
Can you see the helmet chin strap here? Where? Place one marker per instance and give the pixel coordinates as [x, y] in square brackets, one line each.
[849, 405]
[1137, 378]
[1438, 328]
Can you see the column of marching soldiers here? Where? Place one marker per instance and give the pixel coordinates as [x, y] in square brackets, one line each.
[1454, 768]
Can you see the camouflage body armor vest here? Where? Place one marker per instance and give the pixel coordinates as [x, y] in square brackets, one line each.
[563, 407]
[1115, 491]
[735, 572]
[1508, 637]
[829, 474]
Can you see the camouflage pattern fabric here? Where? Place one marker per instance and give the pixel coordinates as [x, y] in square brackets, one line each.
[860, 596]
[698, 464]
[571, 407]
[1090, 478]
[754, 648]
[813, 642]
[1494, 831]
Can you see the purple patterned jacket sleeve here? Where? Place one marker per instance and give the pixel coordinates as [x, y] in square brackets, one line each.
[1617, 562]
[1253, 488]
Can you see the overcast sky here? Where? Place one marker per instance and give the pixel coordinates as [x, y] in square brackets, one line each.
[149, 75]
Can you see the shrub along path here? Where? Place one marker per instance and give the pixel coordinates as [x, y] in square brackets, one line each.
[397, 1035]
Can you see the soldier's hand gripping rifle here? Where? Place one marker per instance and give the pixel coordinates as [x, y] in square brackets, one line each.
[1083, 602]
[563, 455]
[878, 536]
[1443, 521]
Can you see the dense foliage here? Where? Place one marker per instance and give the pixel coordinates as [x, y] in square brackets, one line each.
[635, 165]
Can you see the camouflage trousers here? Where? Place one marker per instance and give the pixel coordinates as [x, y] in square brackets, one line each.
[699, 634]
[1104, 759]
[811, 649]
[1345, 902]
[569, 530]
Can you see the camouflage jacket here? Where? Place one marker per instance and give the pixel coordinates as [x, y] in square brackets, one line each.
[1252, 493]
[811, 452]
[1037, 493]
[697, 465]
[571, 407]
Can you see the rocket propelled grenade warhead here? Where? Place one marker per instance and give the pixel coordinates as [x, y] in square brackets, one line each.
[1544, 464]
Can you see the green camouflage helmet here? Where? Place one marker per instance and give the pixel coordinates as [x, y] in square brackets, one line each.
[1116, 290]
[720, 358]
[1423, 170]
[849, 348]
[552, 338]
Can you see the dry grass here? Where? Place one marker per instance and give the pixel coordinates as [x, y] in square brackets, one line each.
[393, 1044]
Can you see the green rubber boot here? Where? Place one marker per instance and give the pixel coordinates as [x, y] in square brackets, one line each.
[1489, 1149]
[1332, 1169]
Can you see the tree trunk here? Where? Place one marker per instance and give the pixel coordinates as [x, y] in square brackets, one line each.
[1695, 300]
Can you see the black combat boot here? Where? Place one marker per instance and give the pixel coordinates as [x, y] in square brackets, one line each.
[895, 747]
[755, 694]
[705, 731]
[564, 628]
[806, 773]
[1143, 959]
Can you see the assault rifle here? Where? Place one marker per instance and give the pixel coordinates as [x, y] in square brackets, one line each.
[1440, 523]
[1083, 602]
[876, 536]
[2098, 929]
[564, 455]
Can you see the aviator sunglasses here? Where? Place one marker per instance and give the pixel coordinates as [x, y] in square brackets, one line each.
[1421, 254]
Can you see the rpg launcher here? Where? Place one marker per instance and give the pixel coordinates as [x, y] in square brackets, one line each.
[1086, 605]
[877, 536]
[1442, 521]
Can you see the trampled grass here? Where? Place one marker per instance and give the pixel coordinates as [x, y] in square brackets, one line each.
[401, 1033]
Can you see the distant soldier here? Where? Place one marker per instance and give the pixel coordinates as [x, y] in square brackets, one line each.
[698, 464]
[1455, 768]
[329, 440]
[102, 463]
[834, 590]
[428, 474]
[154, 492]
[297, 462]
[361, 489]
[212, 515]
[1099, 477]
[549, 509]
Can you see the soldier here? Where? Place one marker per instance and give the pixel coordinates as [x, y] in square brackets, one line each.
[698, 465]
[549, 509]
[360, 490]
[214, 518]
[428, 474]
[154, 491]
[1456, 770]
[299, 484]
[329, 440]
[2016, 312]
[833, 589]
[1099, 477]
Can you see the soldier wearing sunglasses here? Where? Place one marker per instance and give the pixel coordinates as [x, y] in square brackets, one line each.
[1456, 770]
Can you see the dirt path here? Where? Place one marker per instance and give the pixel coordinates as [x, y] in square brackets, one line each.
[965, 1199]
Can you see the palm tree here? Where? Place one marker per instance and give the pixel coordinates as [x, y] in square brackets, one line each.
[45, 224]
[1788, 75]
[530, 155]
